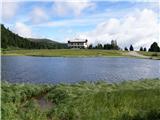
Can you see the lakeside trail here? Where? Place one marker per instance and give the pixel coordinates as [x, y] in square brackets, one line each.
[136, 54]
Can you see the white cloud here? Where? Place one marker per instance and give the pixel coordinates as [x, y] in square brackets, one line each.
[139, 28]
[69, 23]
[78, 0]
[9, 9]
[38, 15]
[23, 30]
[62, 8]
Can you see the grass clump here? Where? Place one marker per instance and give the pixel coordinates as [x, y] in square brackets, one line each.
[130, 100]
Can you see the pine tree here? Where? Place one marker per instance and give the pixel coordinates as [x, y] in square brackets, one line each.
[126, 49]
[141, 49]
[154, 47]
[145, 49]
[131, 48]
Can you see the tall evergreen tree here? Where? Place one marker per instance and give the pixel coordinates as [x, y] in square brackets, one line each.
[141, 49]
[90, 46]
[154, 47]
[99, 46]
[145, 49]
[107, 46]
[126, 49]
[131, 48]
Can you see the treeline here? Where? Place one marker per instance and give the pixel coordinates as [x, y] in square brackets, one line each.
[10, 39]
[153, 48]
[131, 48]
[112, 46]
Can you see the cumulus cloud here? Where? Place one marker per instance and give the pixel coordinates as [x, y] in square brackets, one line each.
[139, 28]
[9, 9]
[23, 30]
[76, 7]
[38, 15]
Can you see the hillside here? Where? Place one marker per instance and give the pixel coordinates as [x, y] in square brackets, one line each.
[12, 40]
[43, 40]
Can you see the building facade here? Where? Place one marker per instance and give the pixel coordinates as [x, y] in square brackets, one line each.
[78, 43]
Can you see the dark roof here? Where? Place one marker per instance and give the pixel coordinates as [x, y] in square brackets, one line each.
[76, 41]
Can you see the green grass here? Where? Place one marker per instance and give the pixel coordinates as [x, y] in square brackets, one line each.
[151, 54]
[64, 52]
[75, 53]
[132, 100]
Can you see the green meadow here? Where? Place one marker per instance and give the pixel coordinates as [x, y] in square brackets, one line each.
[150, 54]
[64, 52]
[76, 53]
[128, 100]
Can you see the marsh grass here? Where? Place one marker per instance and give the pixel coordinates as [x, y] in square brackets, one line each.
[128, 100]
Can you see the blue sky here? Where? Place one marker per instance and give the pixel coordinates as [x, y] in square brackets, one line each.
[99, 21]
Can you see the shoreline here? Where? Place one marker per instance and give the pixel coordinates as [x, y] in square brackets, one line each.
[18, 55]
[82, 82]
[80, 53]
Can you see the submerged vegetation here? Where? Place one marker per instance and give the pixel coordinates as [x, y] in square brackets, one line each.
[130, 100]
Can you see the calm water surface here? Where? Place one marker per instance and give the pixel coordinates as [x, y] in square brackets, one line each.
[71, 70]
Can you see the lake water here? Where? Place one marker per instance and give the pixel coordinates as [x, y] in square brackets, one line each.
[70, 70]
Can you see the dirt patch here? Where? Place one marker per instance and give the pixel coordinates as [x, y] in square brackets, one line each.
[135, 54]
[44, 104]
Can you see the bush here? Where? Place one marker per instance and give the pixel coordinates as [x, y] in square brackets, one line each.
[155, 54]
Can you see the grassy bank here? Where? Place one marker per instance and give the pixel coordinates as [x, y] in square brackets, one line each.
[64, 52]
[132, 100]
[77, 53]
[151, 54]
